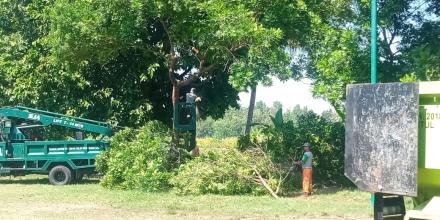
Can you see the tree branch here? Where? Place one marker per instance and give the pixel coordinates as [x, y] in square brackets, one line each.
[264, 183]
[237, 47]
[388, 43]
[173, 57]
[188, 81]
[196, 75]
[171, 69]
[208, 68]
[197, 54]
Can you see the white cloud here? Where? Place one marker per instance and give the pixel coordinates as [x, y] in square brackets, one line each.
[290, 94]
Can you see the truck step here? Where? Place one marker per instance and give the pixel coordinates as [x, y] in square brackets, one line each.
[5, 171]
[389, 207]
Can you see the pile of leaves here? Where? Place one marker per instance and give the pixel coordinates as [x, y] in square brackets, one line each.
[216, 172]
[147, 160]
[226, 170]
[261, 163]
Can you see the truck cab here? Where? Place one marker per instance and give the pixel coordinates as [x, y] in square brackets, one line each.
[27, 144]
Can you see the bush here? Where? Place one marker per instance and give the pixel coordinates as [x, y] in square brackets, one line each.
[139, 159]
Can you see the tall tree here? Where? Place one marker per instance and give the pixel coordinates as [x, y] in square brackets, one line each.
[197, 41]
[120, 60]
[250, 114]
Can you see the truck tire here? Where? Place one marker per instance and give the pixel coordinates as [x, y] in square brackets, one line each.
[60, 175]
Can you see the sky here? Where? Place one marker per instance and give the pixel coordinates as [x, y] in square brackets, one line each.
[289, 93]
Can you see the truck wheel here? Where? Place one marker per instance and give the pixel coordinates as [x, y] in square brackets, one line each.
[60, 175]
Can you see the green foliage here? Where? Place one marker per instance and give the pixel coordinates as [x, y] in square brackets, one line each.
[337, 51]
[232, 124]
[423, 55]
[230, 44]
[282, 140]
[139, 160]
[408, 78]
[109, 59]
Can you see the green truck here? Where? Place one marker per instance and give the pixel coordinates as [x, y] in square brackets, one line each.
[24, 149]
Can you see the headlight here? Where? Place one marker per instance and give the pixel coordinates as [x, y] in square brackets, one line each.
[8, 124]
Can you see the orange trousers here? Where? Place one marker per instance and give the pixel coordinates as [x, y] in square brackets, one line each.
[307, 180]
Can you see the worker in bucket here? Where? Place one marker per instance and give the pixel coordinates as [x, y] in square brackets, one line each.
[306, 163]
[192, 98]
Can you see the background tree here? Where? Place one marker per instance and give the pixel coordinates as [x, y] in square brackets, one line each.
[234, 121]
[337, 52]
[251, 107]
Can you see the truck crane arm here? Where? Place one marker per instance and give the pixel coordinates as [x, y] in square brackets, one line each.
[49, 118]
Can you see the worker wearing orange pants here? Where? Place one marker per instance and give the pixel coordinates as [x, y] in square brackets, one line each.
[307, 181]
[306, 163]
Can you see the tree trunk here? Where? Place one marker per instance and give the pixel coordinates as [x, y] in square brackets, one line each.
[250, 115]
[175, 99]
[176, 95]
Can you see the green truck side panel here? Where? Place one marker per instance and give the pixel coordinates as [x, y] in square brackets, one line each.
[18, 151]
[55, 152]
[2, 149]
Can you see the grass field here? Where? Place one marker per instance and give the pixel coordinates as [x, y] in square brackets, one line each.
[33, 198]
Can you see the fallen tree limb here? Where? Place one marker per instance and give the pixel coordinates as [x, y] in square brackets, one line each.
[264, 183]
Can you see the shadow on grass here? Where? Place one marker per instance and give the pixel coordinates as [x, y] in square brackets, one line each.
[40, 181]
[331, 190]
[319, 190]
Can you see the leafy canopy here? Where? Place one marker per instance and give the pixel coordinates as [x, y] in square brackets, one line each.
[118, 60]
